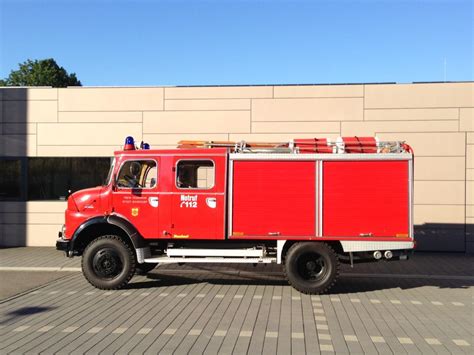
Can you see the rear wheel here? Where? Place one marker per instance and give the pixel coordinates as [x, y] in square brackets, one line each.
[108, 262]
[311, 267]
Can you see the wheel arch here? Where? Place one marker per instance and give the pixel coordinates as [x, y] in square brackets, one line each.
[284, 245]
[97, 226]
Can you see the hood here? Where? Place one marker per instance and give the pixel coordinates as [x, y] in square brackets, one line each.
[87, 200]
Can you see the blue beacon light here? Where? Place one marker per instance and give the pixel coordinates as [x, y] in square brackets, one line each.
[146, 146]
[129, 143]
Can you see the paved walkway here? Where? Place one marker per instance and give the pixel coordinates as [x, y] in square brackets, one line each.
[424, 305]
[420, 264]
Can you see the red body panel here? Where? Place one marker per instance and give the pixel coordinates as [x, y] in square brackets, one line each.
[193, 212]
[274, 198]
[365, 198]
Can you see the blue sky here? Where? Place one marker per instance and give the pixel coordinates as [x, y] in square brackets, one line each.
[226, 42]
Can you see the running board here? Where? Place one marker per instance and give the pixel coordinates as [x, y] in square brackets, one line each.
[236, 253]
[168, 260]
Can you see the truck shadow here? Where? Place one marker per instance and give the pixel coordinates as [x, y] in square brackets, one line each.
[345, 285]
[348, 285]
[440, 270]
[156, 279]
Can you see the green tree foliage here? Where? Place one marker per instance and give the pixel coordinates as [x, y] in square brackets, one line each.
[44, 72]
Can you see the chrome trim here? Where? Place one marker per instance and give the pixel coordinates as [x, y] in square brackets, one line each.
[280, 245]
[225, 253]
[224, 226]
[230, 200]
[211, 259]
[316, 197]
[355, 246]
[320, 199]
[142, 254]
[348, 156]
[410, 199]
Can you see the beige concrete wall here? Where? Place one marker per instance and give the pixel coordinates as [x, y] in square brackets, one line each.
[436, 119]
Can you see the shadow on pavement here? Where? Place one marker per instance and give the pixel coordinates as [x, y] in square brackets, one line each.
[348, 285]
[160, 280]
[345, 285]
[24, 312]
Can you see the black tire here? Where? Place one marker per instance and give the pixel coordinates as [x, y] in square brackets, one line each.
[108, 262]
[311, 267]
[145, 268]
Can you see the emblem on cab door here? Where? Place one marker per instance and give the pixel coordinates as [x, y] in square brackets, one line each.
[211, 202]
[135, 211]
[153, 201]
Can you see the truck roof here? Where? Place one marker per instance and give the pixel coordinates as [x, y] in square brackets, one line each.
[174, 151]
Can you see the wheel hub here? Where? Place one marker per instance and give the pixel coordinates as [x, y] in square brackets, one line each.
[107, 263]
[311, 266]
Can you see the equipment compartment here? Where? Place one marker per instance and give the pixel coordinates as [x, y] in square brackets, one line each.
[274, 198]
[366, 198]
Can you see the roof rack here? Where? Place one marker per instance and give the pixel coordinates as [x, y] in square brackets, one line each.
[307, 145]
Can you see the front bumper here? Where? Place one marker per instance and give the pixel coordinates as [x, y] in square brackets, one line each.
[63, 244]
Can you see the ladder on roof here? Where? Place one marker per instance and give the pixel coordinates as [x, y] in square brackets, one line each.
[311, 145]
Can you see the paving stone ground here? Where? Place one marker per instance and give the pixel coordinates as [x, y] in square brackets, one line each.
[420, 308]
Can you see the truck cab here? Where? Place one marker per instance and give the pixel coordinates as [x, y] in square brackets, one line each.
[171, 194]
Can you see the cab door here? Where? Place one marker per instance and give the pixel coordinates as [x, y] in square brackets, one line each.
[198, 197]
[136, 194]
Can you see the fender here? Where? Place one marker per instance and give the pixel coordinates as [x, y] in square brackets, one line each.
[89, 222]
[122, 223]
[129, 228]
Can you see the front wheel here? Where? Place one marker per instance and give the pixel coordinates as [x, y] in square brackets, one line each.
[311, 267]
[108, 262]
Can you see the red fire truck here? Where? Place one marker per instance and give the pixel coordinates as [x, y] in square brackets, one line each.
[308, 204]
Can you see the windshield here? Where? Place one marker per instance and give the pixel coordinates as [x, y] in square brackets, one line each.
[109, 175]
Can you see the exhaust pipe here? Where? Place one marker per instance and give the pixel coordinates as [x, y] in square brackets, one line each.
[377, 255]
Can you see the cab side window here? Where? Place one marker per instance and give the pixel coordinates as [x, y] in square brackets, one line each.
[138, 174]
[195, 174]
